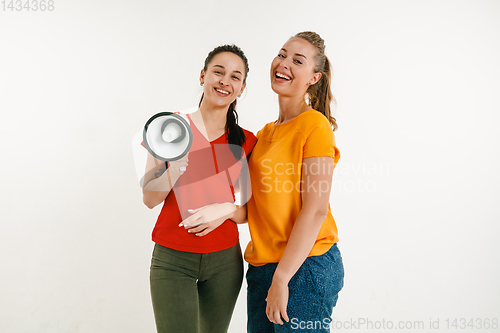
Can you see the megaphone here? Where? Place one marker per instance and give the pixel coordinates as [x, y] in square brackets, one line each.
[167, 136]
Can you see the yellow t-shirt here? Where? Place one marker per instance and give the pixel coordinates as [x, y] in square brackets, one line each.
[275, 168]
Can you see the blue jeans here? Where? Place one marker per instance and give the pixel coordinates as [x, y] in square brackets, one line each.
[313, 292]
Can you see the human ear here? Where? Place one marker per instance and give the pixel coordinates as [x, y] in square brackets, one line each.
[315, 78]
[202, 77]
[242, 88]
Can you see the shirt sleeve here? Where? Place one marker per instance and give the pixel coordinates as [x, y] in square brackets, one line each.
[321, 142]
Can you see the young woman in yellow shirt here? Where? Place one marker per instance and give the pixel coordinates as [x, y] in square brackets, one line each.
[295, 268]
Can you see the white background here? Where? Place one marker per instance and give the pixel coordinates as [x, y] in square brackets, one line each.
[416, 190]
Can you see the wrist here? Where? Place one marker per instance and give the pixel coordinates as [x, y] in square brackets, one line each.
[280, 278]
[173, 175]
[230, 207]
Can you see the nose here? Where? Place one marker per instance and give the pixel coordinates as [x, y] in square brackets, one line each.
[284, 64]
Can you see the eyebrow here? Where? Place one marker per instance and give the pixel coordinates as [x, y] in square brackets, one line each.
[224, 68]
[297, 54]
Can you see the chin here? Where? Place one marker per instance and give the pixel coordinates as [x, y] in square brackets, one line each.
[278, 89]
[221, 104]
[217, 101]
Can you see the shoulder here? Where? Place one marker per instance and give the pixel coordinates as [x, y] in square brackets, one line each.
[313, 123]
[250, 141]
[313, 119]
[184, 115]
[265, 129]
[248, 134]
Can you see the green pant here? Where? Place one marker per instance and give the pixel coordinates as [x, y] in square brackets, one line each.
[195, 292]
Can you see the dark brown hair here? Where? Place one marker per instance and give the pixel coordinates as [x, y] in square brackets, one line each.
[320, 94]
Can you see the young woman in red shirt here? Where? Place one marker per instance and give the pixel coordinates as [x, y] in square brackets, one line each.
[195, 280]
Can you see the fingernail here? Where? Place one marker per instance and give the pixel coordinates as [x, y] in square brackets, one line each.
[180, 225]
[190, 210]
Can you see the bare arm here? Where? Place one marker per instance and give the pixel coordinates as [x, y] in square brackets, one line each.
[208, 218]
[240, 215]
[316, 188]
[158, 180]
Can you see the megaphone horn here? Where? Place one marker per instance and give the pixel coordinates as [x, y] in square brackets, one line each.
[167, 136]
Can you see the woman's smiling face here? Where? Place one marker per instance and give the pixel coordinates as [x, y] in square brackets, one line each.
[224, 79]
[292, 71]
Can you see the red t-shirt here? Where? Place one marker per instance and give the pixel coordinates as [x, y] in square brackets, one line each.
[209, 177]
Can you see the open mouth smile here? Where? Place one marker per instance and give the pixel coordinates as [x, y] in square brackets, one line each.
[221, 92]
[281, 76]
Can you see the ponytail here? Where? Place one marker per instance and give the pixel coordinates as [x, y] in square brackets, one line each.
[320, 94]
[234, 133]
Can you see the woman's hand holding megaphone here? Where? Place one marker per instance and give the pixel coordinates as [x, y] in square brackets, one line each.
[177, 168]
[158, 182]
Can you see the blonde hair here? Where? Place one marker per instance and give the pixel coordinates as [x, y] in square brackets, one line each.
[320, 94]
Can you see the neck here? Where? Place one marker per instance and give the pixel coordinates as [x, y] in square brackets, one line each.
[214, 118]
[291, 107]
